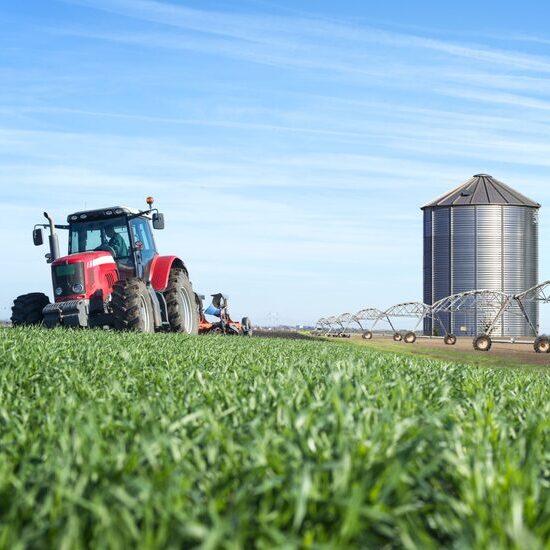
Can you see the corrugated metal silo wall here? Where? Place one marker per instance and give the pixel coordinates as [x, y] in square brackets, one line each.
[480, 247]
[489, 259]
[441, 262]
[463, 246]
[520, 263]
[428, 297]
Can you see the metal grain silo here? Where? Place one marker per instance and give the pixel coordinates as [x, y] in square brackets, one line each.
[481, 235]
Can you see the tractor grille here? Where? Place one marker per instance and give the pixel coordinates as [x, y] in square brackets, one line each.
[68, 277]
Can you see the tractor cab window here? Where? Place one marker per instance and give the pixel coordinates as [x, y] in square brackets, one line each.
[109, 235]
[143, 239]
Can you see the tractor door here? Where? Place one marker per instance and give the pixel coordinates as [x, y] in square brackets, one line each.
[144, 246]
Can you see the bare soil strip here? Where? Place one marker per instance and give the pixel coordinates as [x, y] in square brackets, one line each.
[505, 355]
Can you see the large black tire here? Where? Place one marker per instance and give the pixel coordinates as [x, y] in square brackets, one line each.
[397, 337]
[27, 309]
[367, 335]
[409, 338]
[246, 325]
[183, 315]
[132, 306]
[542, 344]
[483, 343]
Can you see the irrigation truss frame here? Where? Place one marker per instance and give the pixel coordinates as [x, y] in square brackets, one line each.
[539, 294]
[492, 304]
[488, 305]
[371, 314]
[343, 321]
[330, 324]
[405, 310]
[321, 326]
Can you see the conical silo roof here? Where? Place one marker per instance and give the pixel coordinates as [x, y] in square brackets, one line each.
[482, 189]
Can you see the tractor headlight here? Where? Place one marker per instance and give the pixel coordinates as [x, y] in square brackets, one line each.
[58, 291]
[78, 288]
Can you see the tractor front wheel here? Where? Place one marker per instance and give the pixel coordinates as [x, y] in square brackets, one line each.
[182, 303]
[132, 306]
[27, 309]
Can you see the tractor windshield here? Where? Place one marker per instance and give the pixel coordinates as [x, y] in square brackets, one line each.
[110, 235]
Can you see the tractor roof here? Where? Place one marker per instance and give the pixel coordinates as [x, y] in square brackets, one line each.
[103, 213]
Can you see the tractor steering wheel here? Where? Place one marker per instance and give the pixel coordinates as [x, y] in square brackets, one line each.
[105, 248]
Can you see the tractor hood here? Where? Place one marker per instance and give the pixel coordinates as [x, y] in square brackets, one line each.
[89, 259]
[83, 275]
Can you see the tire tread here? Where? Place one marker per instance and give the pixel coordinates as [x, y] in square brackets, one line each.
[27, 309]
[125, 303]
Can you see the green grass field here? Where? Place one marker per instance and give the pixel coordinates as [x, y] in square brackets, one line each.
[112, 440]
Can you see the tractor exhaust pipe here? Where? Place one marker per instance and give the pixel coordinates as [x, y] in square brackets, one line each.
[54, 241]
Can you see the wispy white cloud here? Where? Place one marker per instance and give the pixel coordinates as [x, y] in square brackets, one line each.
[288, 33]
[515, 100]
[357, 55]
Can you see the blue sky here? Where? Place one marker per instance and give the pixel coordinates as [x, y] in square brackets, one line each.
[290, 145]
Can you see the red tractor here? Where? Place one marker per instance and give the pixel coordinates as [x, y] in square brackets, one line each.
[113, 276]
[219, 308]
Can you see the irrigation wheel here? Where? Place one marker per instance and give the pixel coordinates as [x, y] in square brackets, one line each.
[450, 339]
[409, 338]
[397, 337]
[483, 343]
[542, 344]
[367, 335]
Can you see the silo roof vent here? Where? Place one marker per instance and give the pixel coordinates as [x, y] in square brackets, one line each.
[482, 189]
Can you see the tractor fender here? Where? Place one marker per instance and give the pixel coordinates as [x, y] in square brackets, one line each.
[160, 271]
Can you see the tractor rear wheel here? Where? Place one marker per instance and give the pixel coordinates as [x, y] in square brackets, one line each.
[247, 326]
[132, 306]
[27, 309]
[182, 303]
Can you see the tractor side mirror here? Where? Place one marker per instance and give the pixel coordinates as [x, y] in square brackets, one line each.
[158, 221]
[38, 237]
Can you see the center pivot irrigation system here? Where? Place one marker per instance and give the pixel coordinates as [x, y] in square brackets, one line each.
[114, 277]
[486, 308]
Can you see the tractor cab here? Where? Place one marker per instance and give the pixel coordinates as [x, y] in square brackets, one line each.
[123, 232]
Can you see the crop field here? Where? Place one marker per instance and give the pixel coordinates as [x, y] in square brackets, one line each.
[163, 440]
